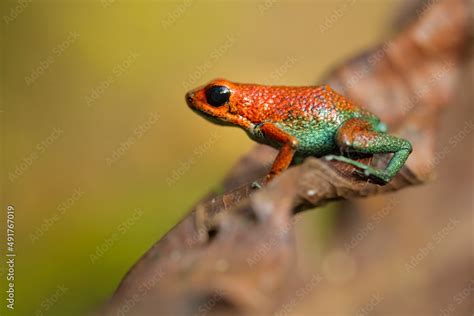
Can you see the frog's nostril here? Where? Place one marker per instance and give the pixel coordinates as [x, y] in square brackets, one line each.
[189, 98]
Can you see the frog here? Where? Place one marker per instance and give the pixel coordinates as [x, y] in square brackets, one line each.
[302, 121]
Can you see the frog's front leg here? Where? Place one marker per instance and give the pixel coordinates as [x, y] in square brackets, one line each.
[358, 135]
[288, 147]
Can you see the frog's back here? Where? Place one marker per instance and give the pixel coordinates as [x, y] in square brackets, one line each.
[313, 116]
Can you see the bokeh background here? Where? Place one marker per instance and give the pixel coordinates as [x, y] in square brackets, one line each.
[100, 154]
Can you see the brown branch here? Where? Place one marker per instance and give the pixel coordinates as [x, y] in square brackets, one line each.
[234, 253]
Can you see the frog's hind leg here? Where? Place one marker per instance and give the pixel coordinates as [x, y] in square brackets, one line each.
[360, 136]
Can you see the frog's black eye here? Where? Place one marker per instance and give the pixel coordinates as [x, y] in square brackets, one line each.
[217, 95]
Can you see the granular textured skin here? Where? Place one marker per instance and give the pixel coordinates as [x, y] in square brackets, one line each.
[302, 121]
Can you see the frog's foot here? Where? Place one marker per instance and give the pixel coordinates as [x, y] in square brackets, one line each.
[350, 161]
[377, 175]
[359, 136]
[255, 185]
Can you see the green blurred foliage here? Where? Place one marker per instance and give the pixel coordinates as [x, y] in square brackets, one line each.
[134, 59]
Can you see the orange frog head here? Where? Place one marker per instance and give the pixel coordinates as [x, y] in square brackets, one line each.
[222, 102]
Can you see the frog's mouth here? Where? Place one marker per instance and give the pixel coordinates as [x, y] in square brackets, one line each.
[236, 120]
[212, 118]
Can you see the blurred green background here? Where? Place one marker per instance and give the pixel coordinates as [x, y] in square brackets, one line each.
[100, 154]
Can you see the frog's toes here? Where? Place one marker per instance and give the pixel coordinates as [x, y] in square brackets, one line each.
[329, 157]
[379, 180]
[255, 185]
[360, 173]
[370, 171]
[377, 175]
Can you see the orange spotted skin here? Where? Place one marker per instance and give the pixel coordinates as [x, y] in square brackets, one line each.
[311, 114]
[300, 121]
[260, 103]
